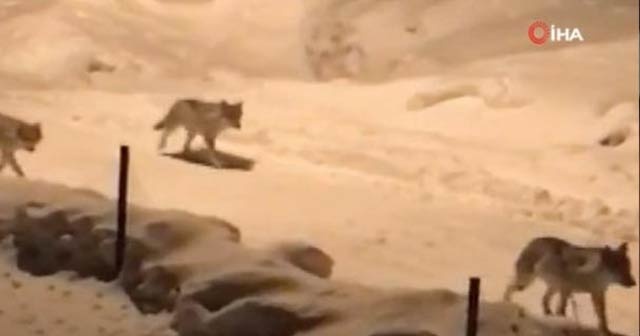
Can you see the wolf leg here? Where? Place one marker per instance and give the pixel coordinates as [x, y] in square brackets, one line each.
[213, 155]
[599, 304]
[187, 143]
[562, 304]
[167, 130]
[546, 300]
[163, 138]
[13, 163]
[3, 160]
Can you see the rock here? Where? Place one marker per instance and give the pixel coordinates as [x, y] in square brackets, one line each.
[156, 291]
[224, 290]
[306, 257]
[264, 320]
[417, 333]
[190, 319]
[615, 138]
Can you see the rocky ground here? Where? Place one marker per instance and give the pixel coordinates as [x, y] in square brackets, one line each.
[414, 143]
[63, 240]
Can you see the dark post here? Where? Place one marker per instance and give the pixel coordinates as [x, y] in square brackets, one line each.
[123, 181]
[472, 312]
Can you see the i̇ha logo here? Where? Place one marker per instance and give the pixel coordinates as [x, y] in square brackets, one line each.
[540, 33]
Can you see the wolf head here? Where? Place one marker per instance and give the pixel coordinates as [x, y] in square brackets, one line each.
[29, 135]
[618, 264]
[233, 114]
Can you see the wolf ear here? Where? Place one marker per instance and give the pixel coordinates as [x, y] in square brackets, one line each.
[623, 248]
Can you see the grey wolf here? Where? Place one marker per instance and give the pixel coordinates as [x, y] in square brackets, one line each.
[207, 119]
[17, 135]
[568, 269]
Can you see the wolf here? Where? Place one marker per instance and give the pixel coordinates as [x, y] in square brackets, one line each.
[568, 269]
[198, 117]
[15, 135]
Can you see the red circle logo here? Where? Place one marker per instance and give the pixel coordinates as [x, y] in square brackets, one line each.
[539, 26]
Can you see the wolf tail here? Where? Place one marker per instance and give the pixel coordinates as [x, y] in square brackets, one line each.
[528, 259]
[160, 124]
[525, 268]
[170, 118]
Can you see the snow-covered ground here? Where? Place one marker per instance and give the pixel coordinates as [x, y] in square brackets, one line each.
[455, 141]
